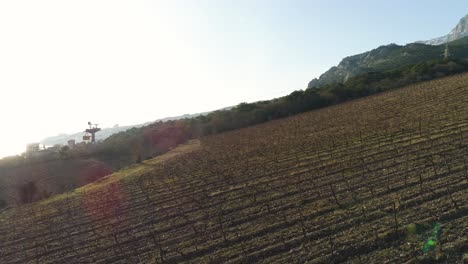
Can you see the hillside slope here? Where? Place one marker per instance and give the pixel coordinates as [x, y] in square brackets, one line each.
[386, 58]
[109, 131]
[379, 179]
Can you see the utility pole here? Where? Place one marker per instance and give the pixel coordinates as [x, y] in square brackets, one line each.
[446, 50]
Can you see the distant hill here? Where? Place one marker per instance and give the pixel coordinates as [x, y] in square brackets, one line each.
[458, 32]
[107, 132]
[103, 134]
[393, 56]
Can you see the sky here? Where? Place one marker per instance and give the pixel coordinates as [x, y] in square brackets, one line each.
[64, 63]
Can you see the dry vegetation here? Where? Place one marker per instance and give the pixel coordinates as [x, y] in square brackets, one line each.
[49, 178]
[369, 181]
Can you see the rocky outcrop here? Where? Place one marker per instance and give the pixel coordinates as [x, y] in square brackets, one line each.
[458, 32]
[386, 57]
[391, 57]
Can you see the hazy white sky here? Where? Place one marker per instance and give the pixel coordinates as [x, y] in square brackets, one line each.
[64, 63]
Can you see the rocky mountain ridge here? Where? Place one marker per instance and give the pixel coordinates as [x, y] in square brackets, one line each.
[392, 56]
[458, 32]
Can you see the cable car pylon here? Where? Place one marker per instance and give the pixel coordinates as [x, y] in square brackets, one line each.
[93, 128]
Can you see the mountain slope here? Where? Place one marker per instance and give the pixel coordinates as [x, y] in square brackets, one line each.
[390, 57]
[459, 31]
[386, 58]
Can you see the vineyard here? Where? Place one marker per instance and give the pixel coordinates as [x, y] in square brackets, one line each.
[381, 179]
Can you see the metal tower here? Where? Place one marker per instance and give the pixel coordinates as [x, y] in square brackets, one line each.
[93, 128]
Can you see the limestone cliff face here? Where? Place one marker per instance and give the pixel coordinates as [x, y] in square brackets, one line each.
[458, 32]
[386, 57]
